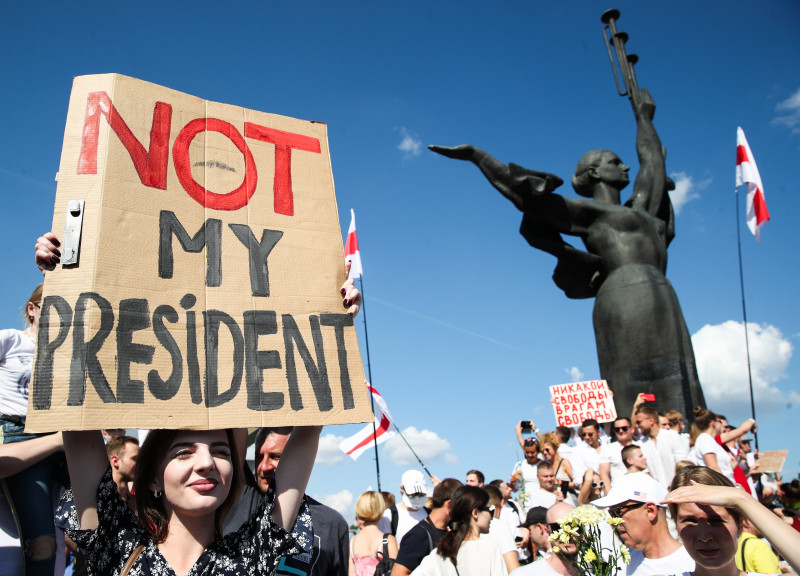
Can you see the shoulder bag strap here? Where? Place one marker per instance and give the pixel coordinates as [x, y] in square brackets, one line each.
[744, 564]
[129, 564]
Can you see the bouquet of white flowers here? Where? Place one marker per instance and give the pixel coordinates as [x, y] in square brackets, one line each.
[581, 528]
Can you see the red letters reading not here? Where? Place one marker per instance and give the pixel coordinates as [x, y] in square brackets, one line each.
[151, 165]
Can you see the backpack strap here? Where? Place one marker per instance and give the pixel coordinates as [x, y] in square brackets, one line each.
[395, 519]
[385, 543]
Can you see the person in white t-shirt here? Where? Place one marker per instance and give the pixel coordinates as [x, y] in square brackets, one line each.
[637, 499]
[662, 448]
[499, 530]
[611, 463]
[705, 449]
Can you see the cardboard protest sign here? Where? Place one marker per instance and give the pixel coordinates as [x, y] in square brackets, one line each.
[205, 293]
[573, 403]
[771, 461]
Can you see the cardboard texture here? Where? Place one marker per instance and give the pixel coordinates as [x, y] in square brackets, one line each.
[771, 461]
[573, 403]
[206, 290]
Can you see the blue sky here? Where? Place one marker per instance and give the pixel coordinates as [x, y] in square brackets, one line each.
[466, 328]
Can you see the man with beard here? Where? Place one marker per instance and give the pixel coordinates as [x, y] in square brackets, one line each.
[123, 452]
[636, 499]
[329, 555]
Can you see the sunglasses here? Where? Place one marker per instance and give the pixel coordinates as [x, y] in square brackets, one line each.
[489, 509]
[621, 428]
[531, 441]
[585, 434]
[620, 511]
[554, 526]
[597, 485]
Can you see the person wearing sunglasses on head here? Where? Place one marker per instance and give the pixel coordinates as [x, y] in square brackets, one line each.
[636, 498]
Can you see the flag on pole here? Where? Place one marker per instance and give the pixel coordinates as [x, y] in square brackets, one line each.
[747, 173]
[366, 438]
[351, 251]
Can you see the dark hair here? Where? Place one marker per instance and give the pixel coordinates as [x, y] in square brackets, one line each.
[388, 498]
[791, 490]
[151, 456]
[544, 465]
[36, 297]
[444, 491]
[465, 500]
[479, 474]
[264, 433]
[701, 475]
[495, 496]
[622, 418]
[591, 422]
[496, 483]
[564, 433]
[626, 453]
[116, 446]
[702, 422]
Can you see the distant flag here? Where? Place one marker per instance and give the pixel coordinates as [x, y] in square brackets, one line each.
[365, 439]
[747, 173]
[351, 251]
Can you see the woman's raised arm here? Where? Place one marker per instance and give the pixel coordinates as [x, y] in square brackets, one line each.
[87, 461]
[291, 477]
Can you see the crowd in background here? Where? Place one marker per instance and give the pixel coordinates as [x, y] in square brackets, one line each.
[436, 527]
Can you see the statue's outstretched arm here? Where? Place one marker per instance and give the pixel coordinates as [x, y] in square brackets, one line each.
[497, 173]
[649, 189]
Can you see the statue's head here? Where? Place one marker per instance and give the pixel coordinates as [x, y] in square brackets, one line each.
[599, 166]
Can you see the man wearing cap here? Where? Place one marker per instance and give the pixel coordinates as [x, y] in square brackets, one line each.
[636, 498]
[421, 539]
[411, 508]
[555, 564]
[536, 523]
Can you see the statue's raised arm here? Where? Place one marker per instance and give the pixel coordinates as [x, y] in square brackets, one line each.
[650, 189]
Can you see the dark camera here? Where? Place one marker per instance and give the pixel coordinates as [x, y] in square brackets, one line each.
[527, 426]
[564, 487]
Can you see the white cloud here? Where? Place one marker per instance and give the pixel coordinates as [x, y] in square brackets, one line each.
[684, 191]
[343, 502]
[428, 446]
[329, 453]
[789, 112]
[575, 374]
[410, 145]
[722, 367]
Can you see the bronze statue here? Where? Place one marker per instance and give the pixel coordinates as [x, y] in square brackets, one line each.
[642, 341]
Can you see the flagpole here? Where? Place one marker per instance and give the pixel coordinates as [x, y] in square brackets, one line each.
[369, 376]
[744, 314]
[414, 453]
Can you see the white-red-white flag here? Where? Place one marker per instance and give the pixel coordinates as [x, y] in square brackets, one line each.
[369, 435]
[351, 251]
[747, 173]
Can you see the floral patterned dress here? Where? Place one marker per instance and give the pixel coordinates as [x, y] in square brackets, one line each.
[255, 549]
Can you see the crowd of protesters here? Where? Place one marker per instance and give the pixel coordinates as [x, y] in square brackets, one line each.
[186, 502]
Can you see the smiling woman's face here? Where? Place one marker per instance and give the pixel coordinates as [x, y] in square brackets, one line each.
[709, 533]
[197, 472]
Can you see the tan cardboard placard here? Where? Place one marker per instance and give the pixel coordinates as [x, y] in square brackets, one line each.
[771, 461]
[578, 401]
[206, 291]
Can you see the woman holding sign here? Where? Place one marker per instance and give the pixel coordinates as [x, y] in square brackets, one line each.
[186, 481]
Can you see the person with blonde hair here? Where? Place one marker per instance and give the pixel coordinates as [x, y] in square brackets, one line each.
[562, 466]
[370, 544]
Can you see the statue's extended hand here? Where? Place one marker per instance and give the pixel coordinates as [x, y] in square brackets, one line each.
[463, 152]
[647, 106]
